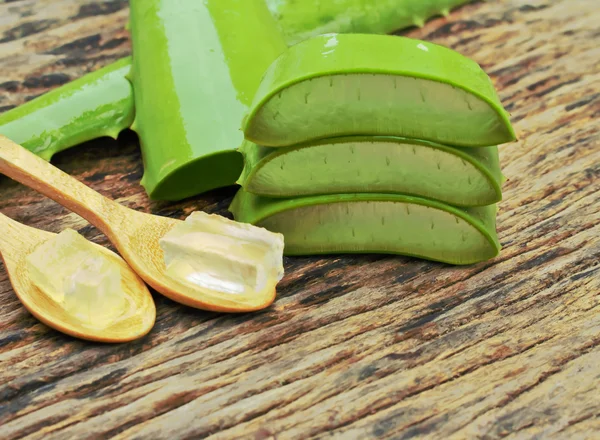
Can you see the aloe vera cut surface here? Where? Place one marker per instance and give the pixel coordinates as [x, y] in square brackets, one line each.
[375, 223]
[351, 85]
[462, 177]
[196, 67]
[95, 105]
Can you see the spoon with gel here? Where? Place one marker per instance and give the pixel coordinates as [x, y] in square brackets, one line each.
[75, 286]
[208, 262]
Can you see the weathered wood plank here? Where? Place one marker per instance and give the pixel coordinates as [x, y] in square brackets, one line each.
[357, 346]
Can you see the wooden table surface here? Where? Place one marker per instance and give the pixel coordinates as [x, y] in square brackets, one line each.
[354, 346]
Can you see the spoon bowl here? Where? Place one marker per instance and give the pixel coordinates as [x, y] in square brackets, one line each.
[135, 234]
[138, 242]
[17, 241]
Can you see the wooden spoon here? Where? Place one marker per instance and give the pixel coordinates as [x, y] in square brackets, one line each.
[134, 234]
[17, 241]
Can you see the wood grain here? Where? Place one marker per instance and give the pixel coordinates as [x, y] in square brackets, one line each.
[354, 347]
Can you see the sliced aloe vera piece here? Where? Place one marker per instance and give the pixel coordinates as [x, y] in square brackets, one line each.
[303, 19]
[196, 67]
[343, 84]
[101, 103]
[375, 223]
[375, 164]
[97, 104]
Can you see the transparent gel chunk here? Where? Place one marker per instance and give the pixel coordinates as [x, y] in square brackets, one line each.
[219, 254]
[93, 292]
[71, 271]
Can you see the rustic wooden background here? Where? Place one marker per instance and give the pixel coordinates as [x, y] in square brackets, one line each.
[358, 346]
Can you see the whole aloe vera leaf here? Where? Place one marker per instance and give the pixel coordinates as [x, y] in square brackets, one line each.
[375, 223]
[375, 164]
[196, 67]
[97, 104]
[357, 84]
[302, 19]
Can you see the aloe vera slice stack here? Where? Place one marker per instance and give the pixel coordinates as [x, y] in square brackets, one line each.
[375, 144]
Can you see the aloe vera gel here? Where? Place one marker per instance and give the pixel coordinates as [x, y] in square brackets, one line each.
[76, 275]
[213, 253]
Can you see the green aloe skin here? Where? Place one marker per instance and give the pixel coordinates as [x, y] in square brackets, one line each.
[372, 164]
[375, 223]
[97, 104]
[350, 84]
[302, 19]
[196, 67]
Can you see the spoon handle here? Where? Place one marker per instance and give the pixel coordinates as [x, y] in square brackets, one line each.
[17, 238]
[25, 167]
[11, 231]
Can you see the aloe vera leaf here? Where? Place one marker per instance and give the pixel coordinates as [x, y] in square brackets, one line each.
[101, 103]
[346, 85]
[69, 118]
[375, 164]
[302, 19]
[196, 67]
[375, 223]
[97, 104]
